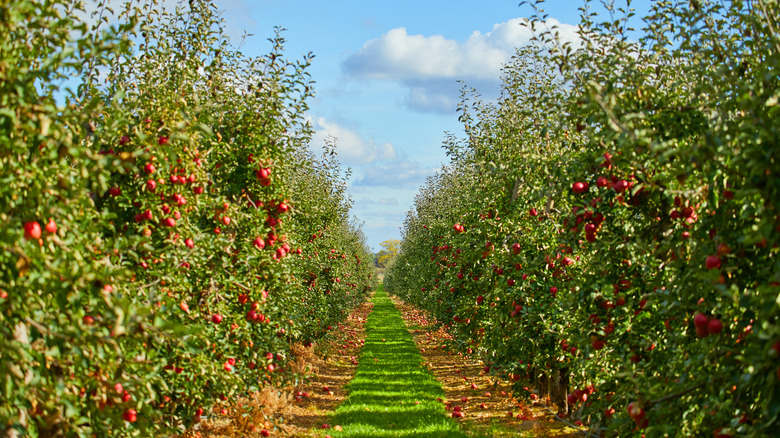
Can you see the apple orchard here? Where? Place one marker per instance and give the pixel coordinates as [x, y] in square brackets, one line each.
[609, 229]
[606, 233]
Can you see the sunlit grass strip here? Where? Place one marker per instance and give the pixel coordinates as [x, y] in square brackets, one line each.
[390, 381]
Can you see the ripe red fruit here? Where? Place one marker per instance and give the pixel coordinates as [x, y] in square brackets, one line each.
[51, 227]
[282, 208]
[149, 168]
[571, 399]
[602, 182]
[226, 220]
[169, 222]
[714, 327]
[263, 173]
[259, 243]
[130, 415]
[265, 432]
[32, 230]
[634, 410]
[458, 228]
[510, 282]
[712, 262]
[700, 320]
[598, 344]
[533, 212]
[516, 249]
[579, 187]
[480, 299]
[151, 185]
[114, 191]
[620, 186]
[216, 318]
[553, 290]
[189, 243]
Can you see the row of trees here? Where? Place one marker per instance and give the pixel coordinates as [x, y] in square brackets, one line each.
[165, 233]
[612, 222]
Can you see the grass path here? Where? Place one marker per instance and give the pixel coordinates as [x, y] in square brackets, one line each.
[392, 394]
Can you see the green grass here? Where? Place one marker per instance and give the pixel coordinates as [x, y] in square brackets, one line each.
[389, 380]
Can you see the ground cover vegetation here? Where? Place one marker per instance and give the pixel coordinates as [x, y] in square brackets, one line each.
[392, 393]
[609, 229]
[165, 234]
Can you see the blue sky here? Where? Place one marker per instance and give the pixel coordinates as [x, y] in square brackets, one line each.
[386, 80]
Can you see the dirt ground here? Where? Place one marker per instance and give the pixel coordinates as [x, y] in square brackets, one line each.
[489, 409]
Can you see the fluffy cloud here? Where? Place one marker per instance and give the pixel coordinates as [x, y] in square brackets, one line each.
[429, 66]
[352, 148]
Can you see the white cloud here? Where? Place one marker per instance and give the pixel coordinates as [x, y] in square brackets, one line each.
[374, 164]
[429, 66]
[352, 148]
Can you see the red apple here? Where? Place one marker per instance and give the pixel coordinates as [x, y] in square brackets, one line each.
[700, 320]
[32, 230]
[579, 187]
[620, 186]
[216, 318]
[130, 415]
[712, 262]
[714, 327]
[51, 227]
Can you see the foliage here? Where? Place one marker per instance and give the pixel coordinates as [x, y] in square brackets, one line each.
[165, 234]
[388, 253]
[614, 218]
